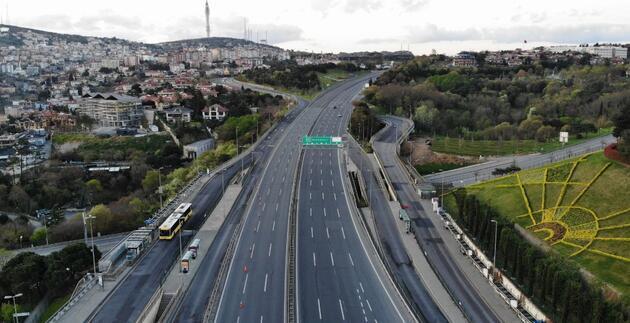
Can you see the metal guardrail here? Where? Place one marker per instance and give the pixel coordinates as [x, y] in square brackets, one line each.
[82, 287]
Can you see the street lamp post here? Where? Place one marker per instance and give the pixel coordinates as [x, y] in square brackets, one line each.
[442, 190]
[85, 219]
[494, 257]
[21, 237]
[160, 186]
[15, 318]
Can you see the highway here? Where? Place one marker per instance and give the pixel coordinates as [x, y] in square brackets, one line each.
[254, 290]
[132, 294]
[336, 279]
[480, 172]
[196, 299]
[473, 306]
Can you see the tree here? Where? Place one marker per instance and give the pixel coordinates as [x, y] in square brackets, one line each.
[19, 198]
[622, 131]
[150, 182]
[103, 216]
[65, 267]
[544, 133]
[24, 273]
[39, 237]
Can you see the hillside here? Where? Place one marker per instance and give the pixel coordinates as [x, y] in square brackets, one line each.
[15, 37]
[579, 207]
[215, 42]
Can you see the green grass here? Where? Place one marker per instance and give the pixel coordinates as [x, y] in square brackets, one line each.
[54, 306]
[467, 147]
[606, 196]
[62, 138]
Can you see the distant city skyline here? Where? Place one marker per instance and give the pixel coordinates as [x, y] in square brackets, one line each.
[448, 26]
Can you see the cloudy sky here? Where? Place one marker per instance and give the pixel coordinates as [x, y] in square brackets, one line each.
[340, 25]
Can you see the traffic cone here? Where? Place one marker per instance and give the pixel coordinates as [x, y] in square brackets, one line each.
[245, 269]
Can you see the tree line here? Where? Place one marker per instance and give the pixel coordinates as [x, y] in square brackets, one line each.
[530, 101]
[551, 281]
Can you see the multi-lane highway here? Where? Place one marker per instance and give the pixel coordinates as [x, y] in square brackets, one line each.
[255, 286]
[336, 278]
[473, 306]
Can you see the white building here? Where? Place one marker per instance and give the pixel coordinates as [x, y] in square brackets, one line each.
[214, 112]
[112, 109]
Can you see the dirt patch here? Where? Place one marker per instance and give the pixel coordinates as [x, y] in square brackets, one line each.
[421, 154]
[67, 147]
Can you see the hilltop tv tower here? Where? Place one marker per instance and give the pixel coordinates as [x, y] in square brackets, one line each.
[207, 20]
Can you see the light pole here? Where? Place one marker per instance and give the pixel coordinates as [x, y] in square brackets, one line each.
[85, 219]
[15, 318]
[160, 186]
[442, 190]
[494, 258]
[21, 237]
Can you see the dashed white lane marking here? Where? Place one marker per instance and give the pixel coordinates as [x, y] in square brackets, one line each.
[332, 260]
[273, 226]
[265, 288]
[343, 233]
[343, 316]
[338, 214]
[334, 195]
[258, 226]
[311, 232]
[314, 260]
[319, 309]
[310, 211]
[269, 253]
[327, 233]
[251, 254]
[351, 262]
[369, 306]
[323, 196]
[361, 285]
[324, 209]
[245, 285]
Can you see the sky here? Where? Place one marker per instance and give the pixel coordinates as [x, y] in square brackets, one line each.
[446, 26]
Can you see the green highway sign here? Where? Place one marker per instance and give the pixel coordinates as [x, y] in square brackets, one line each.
[321, 141]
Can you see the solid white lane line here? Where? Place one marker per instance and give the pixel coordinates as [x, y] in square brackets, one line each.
[327, 233]
[269, 253]
[314, 260]
[351, 262]
[343, 316]
[245, 285]
[338, 214]
[319, 309]
[265, 289]
[273, 226]
[343, 233]
[369, 306]
[251, 254]
[332, 260]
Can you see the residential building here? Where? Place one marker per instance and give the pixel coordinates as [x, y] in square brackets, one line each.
[465, 59]
[178, 114]
[214, 112]
[112, 109]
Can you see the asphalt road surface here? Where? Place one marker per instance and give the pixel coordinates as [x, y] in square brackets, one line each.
[426, 233]
[480, 172]
[336, 280]
[254, 290]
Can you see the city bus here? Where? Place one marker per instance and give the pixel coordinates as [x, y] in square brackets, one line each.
[171, 226]
[185, 210]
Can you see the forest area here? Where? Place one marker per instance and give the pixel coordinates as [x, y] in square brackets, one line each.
[533, 101]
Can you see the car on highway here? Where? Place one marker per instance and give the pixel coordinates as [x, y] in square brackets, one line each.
[339, 115]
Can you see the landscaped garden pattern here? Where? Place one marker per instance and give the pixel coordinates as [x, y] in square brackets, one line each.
[581, 207]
